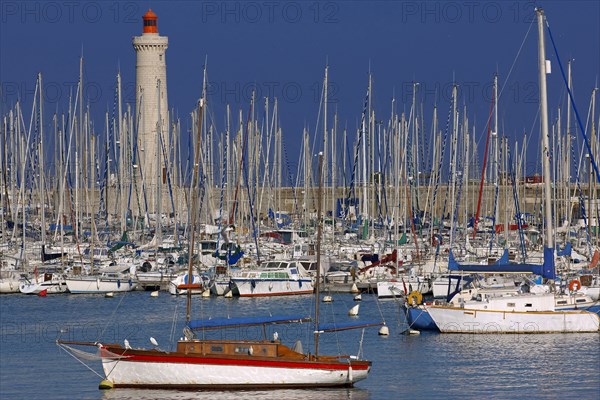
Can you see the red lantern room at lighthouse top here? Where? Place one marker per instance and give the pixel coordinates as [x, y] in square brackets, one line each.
[150, 22]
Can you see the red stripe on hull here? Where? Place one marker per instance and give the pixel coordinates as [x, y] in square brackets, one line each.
[144, 358]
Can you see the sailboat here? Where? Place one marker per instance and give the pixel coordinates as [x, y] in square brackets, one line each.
[229, 364]
[520, 312]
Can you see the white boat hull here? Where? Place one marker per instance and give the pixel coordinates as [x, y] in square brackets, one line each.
[464, 320]
[223, 374]
[90, 285]
[395, 288]
[176, 286]
[272, 287]
[51, 287]
[9, 285]
[440, 286]
[593, 292]
[220, 287]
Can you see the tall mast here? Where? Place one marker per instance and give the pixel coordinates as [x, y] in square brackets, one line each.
[453, 160]
[549, 247]
[42, 176]
[192, 224]
[159, 168]
[319, 234]
[568, 150]
[325, 99]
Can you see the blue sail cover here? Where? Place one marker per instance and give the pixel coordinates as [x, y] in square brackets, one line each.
[343, 326]
[566, 251]
[219, 323]
[546, 270]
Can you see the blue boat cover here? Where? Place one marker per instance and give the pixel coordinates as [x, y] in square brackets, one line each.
[343, 326]
[218, 323]
[546, 270]
[566, 251]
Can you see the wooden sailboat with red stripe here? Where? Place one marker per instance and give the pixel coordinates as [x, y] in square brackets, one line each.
[229, 364]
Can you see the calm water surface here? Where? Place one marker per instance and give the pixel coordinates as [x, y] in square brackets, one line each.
[424, 367]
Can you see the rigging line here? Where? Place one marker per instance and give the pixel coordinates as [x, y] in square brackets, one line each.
[172, 336]
[511, 70]
[515, 60]
[515, 191]
[84, 364]
[112, 316]
[581, 200]
[562, 71]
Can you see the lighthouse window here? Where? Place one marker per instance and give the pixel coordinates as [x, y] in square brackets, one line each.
[160, 57]
[149, 22]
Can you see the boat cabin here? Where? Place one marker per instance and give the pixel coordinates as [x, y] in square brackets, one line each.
[236, 348]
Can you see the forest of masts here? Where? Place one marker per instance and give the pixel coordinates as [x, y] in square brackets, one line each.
[389, 171]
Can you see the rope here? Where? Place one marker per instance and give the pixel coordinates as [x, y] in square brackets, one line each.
[517, 208]
[585, 137]
[351, 190]
[112, 315]
[64, 348]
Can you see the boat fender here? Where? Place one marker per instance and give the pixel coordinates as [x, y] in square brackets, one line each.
[574, 285]
[105, 384]
[414, 298]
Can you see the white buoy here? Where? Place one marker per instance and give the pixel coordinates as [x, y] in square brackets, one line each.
[154, 294]
[358, 297]
[153, 341]
[414, 332]
[206, 293]
[327, 299]
[384, 331]
[354, 288]
[109, 294]
[354, 311]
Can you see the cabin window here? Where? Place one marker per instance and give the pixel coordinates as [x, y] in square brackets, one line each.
[528, 305]
[294, 271]
[561, 302]
[243, 350]
[216, 349]
[580, 301]
[511, 305]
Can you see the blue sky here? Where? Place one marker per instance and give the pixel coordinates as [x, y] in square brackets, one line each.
[281, 47]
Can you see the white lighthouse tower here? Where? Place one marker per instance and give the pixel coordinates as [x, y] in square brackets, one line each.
[151, 108]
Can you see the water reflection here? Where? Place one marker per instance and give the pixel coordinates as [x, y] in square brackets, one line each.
[287, 394]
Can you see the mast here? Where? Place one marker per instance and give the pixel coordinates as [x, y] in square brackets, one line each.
[319, 234]
[159, 169]
[195, 179]
[453, 160]
[568, 151]
[41, 167]
[542, 65]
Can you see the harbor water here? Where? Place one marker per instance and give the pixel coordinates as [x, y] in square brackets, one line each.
[427, 366]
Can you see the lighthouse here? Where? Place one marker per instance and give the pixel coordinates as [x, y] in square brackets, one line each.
[151, 108]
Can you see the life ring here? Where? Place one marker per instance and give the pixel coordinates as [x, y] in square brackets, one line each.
[414, 297]
[574, 285]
